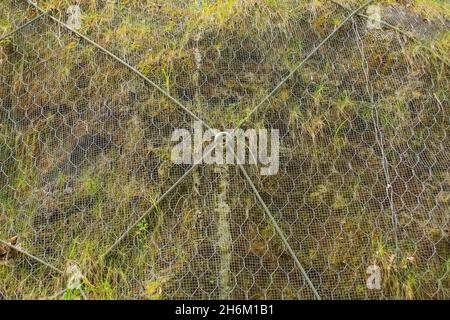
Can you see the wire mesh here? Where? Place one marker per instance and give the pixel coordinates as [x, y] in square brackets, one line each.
[88, 188]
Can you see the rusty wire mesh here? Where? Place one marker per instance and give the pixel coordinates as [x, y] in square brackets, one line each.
[87, 183]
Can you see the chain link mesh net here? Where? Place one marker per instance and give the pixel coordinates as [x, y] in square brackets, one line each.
[86, 177]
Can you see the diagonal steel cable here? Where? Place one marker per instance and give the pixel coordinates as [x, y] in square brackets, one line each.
[272, 219]
[9, 34]
[120, 60]
[296, 68]
[148, 211]
[24, 252]
[280, 233]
